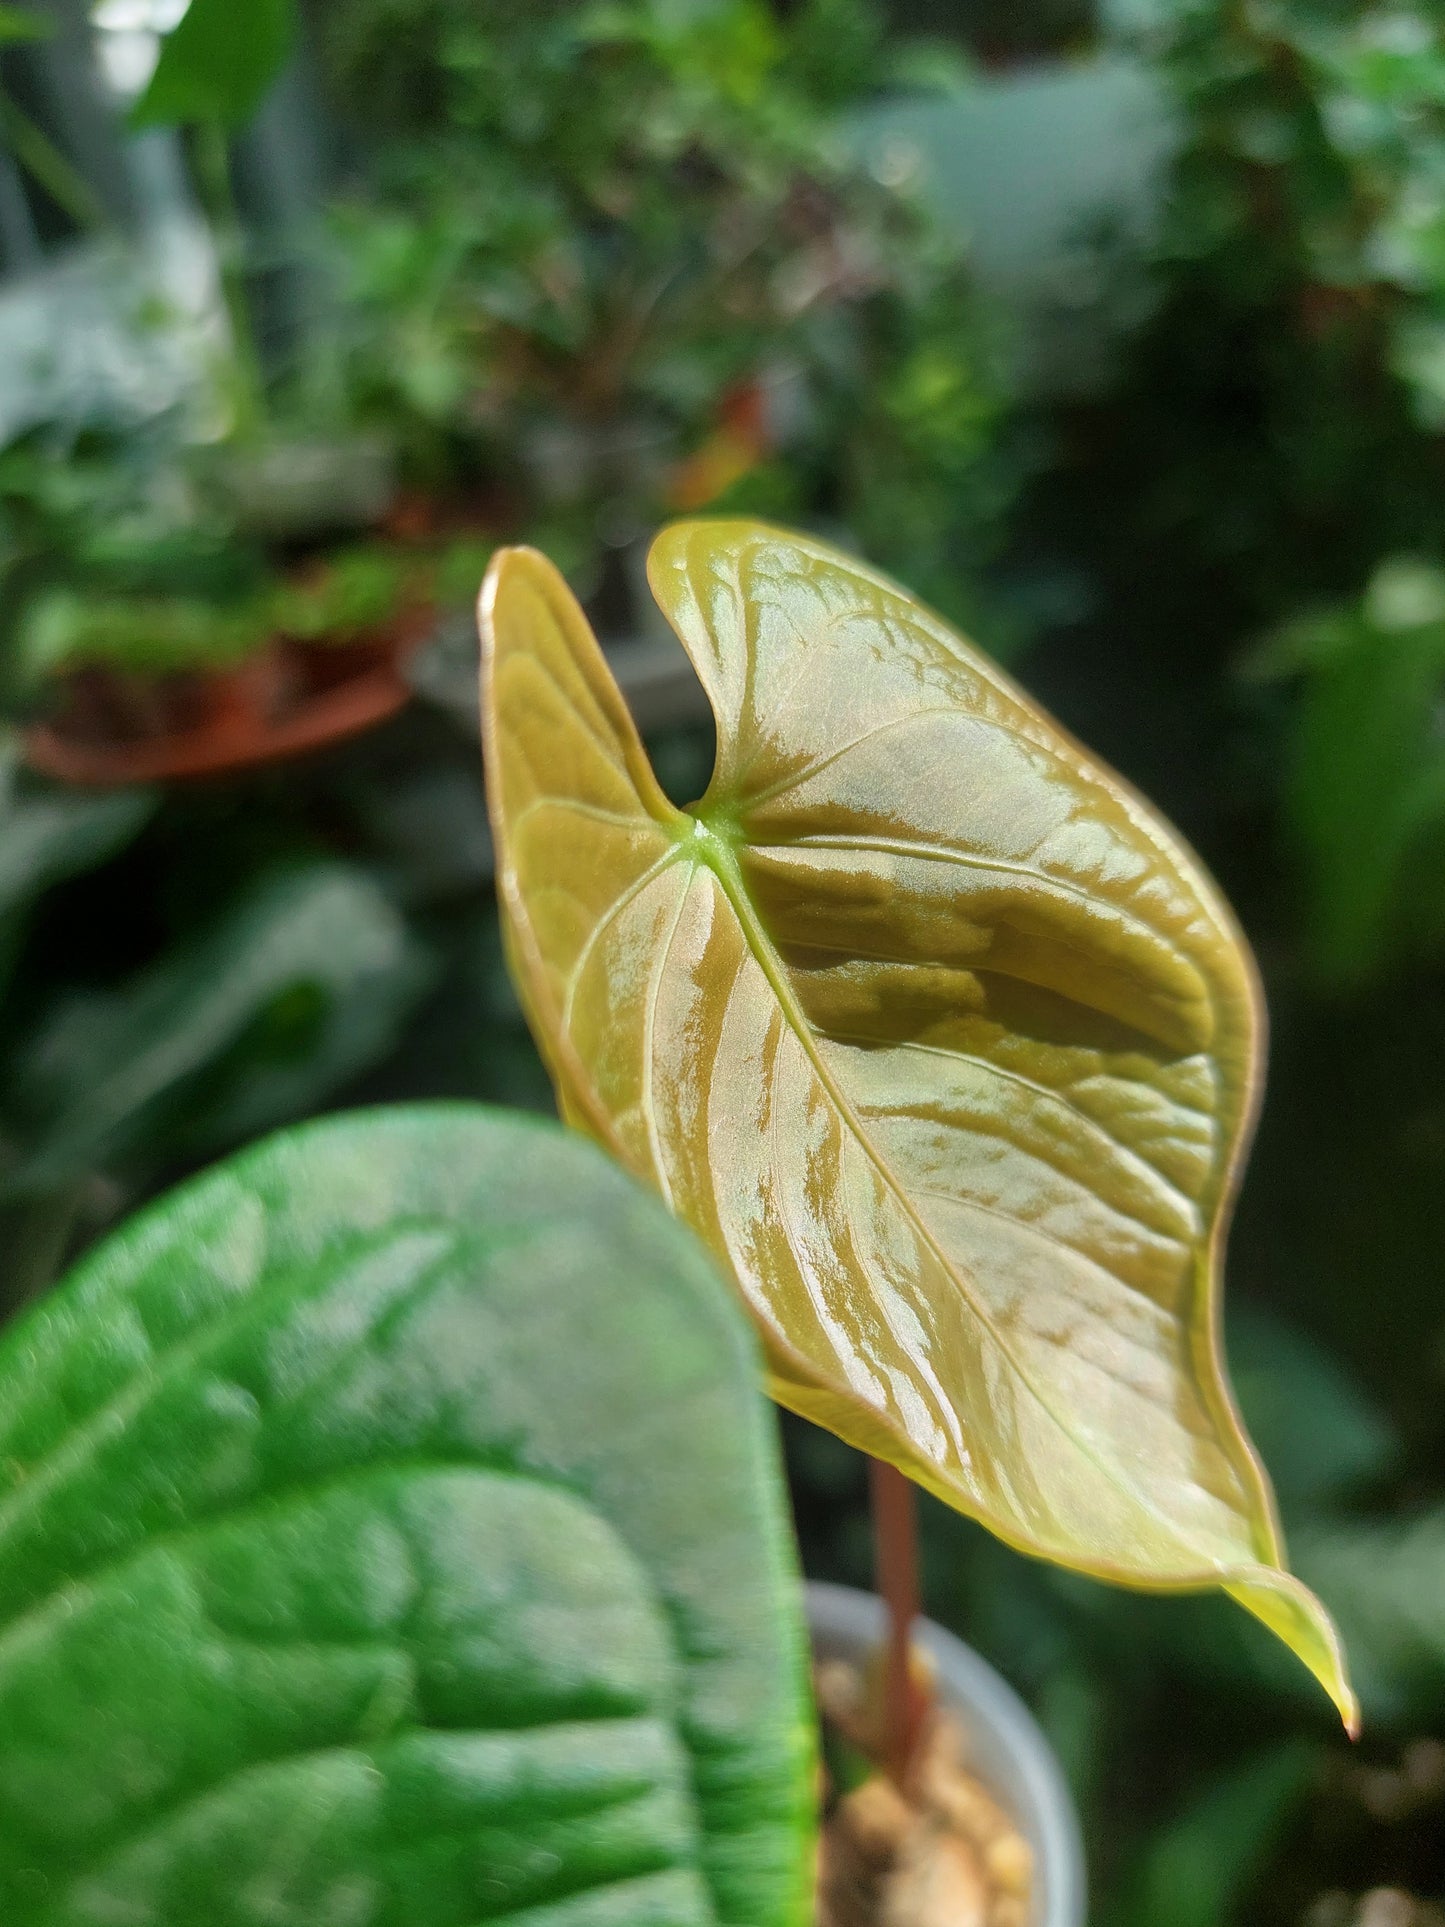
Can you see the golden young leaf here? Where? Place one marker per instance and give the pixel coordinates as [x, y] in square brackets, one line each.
[927, 1024]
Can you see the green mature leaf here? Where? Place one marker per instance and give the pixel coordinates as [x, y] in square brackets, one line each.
[217, 64]
[47, 835]
[927, 1024]
[300, 986]
[391, 1536]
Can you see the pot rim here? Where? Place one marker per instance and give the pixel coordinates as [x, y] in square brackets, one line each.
[1006, 1742]
[231, 744]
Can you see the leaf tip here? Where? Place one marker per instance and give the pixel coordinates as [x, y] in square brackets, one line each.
[1292, 1612]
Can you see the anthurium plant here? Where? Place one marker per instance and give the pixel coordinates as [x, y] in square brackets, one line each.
[391, 1530]
[930, 1027]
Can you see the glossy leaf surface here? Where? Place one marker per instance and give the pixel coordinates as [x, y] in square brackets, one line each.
[391, 1536]
[929, 1026]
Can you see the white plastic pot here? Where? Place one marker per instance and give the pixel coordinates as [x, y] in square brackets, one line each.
[1005, 1747]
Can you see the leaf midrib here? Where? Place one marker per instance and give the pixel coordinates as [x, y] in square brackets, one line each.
[717, 852]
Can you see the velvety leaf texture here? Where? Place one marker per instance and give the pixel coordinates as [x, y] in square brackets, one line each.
[391, 1536]
[929, 1026]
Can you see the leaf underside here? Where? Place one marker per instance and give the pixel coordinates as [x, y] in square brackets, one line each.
[390, 1536]
[928, 1025]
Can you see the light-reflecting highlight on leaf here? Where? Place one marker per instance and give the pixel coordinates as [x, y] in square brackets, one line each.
[928, 1024]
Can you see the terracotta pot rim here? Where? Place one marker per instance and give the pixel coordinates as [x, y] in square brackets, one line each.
[228, 744]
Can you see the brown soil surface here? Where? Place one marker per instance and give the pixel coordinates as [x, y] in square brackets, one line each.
[940, 1853]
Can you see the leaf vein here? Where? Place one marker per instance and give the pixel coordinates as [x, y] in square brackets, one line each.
[970, 860]
[772, 968]
[614, 910]
[1045, 1091]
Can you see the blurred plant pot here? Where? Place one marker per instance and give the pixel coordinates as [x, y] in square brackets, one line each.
[1005, 1746]
[619, 464]
[114, 728]
[420, 516]
[294, 489]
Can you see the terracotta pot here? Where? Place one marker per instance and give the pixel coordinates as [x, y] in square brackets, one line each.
[1006, 1748]
[116, 729]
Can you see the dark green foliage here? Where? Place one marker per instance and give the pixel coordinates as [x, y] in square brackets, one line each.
[1365, 784]
[217, 64]
[1271, 442]
[1195, 1871]
[1302, 270]
[133, 552]
[257, 1019]
[623, 261]
[46, 837]
[21, 24]
[1386, 1579]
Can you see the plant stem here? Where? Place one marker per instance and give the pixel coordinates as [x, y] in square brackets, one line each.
[895, 1541]
[45, 163]
[218, 197]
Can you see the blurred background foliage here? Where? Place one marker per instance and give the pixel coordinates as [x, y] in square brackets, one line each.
[565, 268]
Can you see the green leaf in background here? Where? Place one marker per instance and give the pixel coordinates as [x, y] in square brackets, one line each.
[1386, 1581]
[47, 835]
[1193, 1872]
[1366, 783]
[1321, 1435]
[391, 1536]
[216, 66]
[303, 984]
[19, 23]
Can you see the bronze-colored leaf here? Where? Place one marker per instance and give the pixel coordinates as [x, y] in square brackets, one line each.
[929, 1026]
